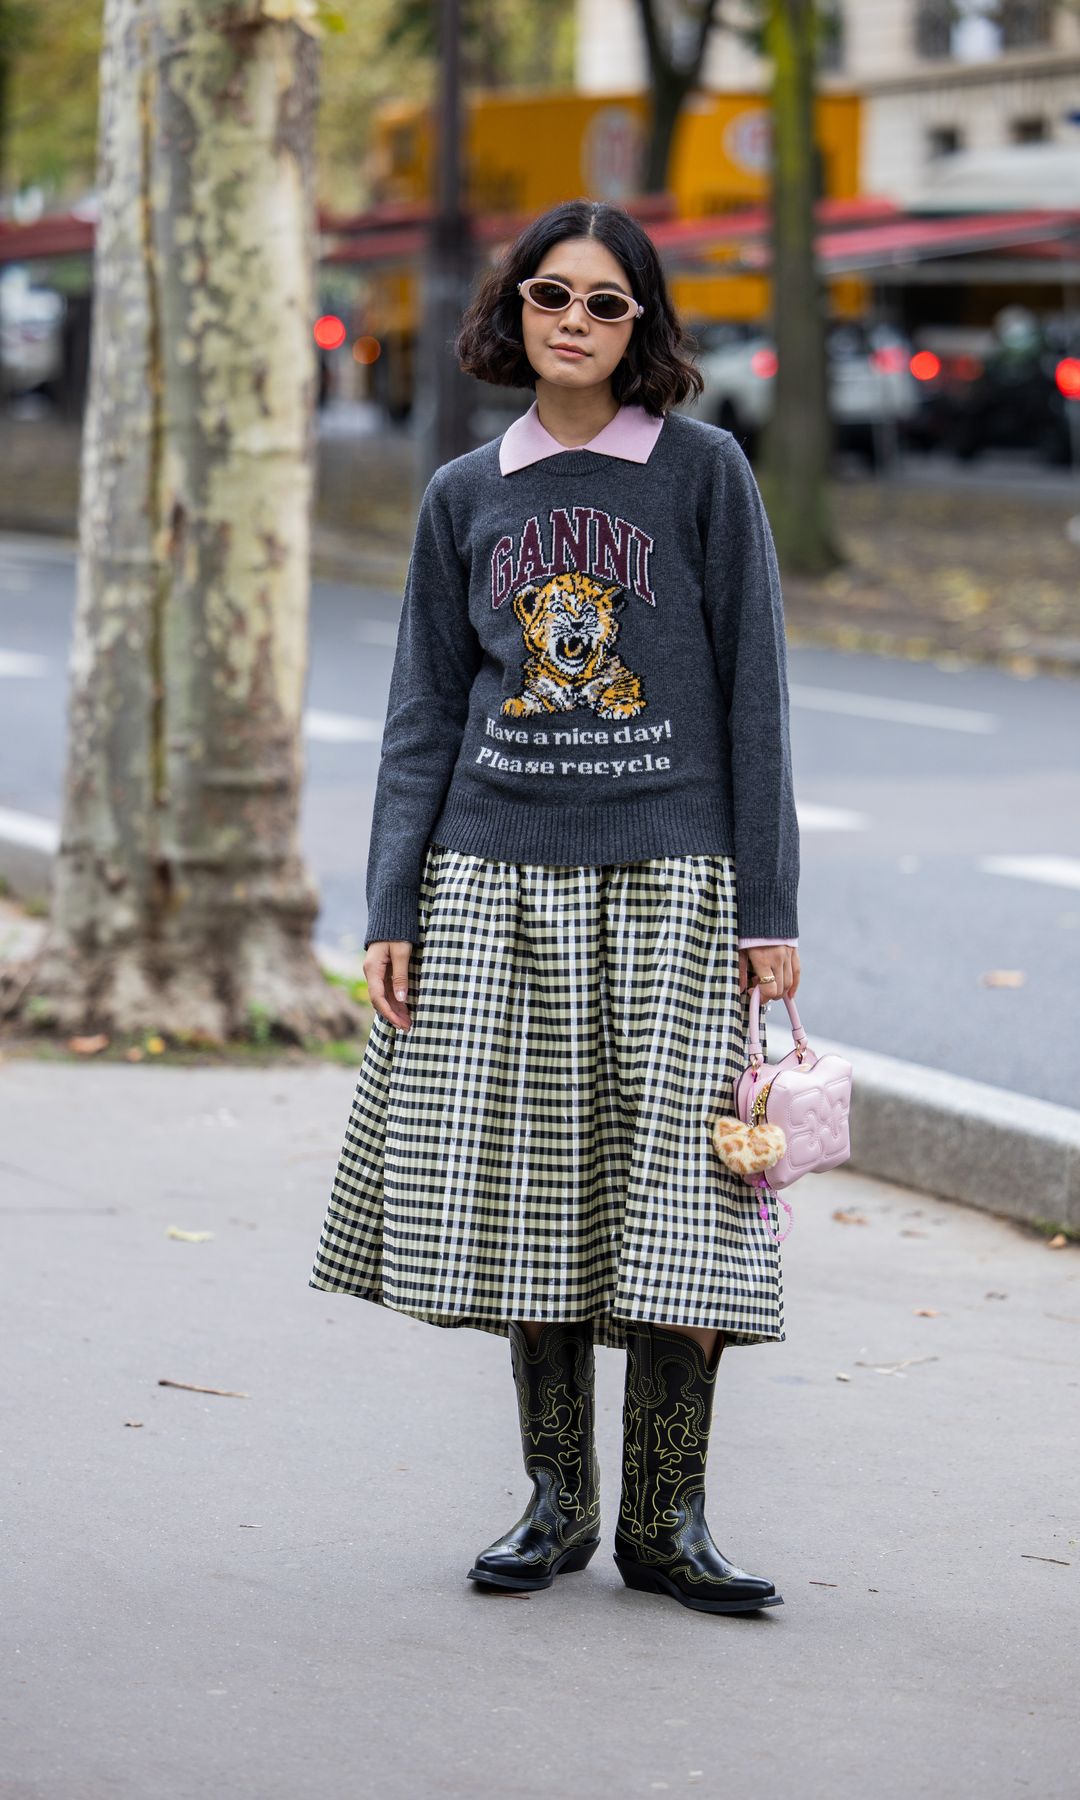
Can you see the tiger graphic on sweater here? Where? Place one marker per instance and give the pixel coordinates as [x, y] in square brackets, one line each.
[570, 626]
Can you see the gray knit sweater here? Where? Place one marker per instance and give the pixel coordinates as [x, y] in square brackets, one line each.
[591, 668]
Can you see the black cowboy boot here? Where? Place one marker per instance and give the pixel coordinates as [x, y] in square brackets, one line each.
[662, 1543]
[560, 1528]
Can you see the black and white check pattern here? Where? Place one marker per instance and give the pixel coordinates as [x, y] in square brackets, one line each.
[537, 1146]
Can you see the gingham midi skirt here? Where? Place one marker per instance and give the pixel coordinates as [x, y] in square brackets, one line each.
[538, 1146]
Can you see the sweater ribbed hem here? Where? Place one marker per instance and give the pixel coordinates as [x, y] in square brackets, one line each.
[658, 828]
[768, 909]
[697, 825]
[394, 916]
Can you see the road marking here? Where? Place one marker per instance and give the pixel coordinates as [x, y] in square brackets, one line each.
[341, 728]
[829, 818]
[28, 829]
[898, 712]
[22, 662]
[1055, 871]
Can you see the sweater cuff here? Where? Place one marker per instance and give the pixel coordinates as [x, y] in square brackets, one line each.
[393, 916]
[767, 909]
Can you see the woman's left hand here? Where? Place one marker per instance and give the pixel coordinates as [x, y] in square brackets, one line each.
[778, 960]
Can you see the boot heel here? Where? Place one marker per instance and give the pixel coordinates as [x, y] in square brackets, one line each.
[577, 1559]
[636, 1576]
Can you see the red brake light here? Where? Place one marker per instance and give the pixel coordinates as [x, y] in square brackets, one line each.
[329, 332]
[925, 366]
[1067, 376]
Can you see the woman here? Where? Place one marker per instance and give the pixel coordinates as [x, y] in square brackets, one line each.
[584, 797]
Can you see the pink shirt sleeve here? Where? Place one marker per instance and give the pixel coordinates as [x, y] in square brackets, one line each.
[752, 943]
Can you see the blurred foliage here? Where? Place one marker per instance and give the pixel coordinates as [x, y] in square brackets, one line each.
[372, 51]
[51, 126]
[388, 50]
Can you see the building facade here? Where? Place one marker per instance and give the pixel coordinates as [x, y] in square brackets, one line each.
[937, 77]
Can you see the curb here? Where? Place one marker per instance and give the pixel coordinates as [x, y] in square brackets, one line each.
[925, 1129]
[1005, 1153]
[1051, 656]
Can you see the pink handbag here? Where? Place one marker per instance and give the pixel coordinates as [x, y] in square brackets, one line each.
[792, 1117]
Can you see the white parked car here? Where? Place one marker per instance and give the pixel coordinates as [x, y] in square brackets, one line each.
[871, 389]
[31, 332]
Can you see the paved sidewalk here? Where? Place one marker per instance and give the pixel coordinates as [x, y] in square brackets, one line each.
[265, 1597]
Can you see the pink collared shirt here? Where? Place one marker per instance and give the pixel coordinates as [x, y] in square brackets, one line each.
[631, 435]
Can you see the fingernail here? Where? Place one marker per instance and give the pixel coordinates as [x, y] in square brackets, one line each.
[400, 993]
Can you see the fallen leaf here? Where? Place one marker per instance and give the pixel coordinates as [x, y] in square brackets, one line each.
[188, 1237]
[193, 1388]
[250, 1527]
[873, 1590]
[1058, 1243]
[136, 1424]
[992, 1294]
[155, 1045]
[134, 1054]
[925, 1312]
[88, 1046]
[1003, 978]
[848, 1218]
[843, 1378]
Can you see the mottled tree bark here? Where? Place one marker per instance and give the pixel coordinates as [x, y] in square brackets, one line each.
[180, 900]
[797, 437]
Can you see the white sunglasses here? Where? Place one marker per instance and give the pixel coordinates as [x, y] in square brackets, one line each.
[605, 304]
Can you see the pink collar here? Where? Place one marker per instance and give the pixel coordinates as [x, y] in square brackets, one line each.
[631, 434]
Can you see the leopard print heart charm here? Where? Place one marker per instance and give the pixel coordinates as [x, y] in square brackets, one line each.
[748, 1148]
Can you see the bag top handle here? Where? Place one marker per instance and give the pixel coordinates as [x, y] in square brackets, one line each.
[754, 1033]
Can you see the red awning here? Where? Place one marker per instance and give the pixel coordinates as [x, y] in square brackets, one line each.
[855, 236]
[910, 240]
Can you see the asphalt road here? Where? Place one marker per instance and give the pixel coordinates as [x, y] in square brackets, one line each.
[939, 810]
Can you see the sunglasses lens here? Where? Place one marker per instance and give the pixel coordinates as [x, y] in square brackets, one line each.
[608, 307]
[549, 294]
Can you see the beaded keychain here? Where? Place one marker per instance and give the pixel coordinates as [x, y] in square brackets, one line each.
[763, 1211]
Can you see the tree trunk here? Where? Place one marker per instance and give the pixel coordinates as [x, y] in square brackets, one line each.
[675, 46]
[180, 900]
[796, 444]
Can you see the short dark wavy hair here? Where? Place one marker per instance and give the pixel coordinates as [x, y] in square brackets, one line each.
[655, 372]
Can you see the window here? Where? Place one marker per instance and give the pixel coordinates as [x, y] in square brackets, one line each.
[1024, 23]
[831, 48]
[933, 27]
[1028, 131]
[943, 140]
[975, 30]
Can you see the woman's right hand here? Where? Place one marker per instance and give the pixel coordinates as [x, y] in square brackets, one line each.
[386, 971]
